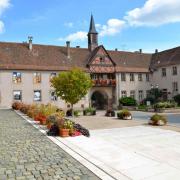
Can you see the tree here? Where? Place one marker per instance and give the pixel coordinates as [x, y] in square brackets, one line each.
[72, 86]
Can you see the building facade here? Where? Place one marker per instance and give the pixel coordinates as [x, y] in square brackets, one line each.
[26, 70]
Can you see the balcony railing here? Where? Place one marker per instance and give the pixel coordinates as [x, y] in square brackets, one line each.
[104, 82]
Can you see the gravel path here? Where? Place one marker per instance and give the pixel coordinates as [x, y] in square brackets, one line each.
[25, 153]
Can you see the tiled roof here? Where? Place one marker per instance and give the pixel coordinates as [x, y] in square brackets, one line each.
[166, 58]
[45, 57]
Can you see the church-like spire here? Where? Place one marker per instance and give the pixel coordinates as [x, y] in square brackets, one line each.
[92, 28]
[92, 35]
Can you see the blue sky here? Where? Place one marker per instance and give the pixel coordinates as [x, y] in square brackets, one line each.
[124, 24]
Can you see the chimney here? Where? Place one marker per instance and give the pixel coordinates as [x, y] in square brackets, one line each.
[140, 51]
[68, 48]
[156, 50]
[116, 49]
[30, 38]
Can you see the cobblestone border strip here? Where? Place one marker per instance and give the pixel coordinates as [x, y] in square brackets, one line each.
[106, 174]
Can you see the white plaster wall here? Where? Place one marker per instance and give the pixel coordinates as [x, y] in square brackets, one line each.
[27, 87]
[131, 85]
[166, 82]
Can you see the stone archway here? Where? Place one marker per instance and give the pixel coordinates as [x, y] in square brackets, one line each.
[99, 100]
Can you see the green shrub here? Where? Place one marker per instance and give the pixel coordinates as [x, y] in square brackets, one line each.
[123, 114]
[89, 111]
[166, 104]
[77, 113]
[157, 119]
[177, 99]
[127, 101]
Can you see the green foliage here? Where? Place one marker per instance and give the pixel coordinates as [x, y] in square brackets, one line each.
[142, 107]
[89, 111]
[77, 113]
[157, 119]
[72, 86]
[47, 110]
[177, 99]
[166, 104]
[155, 95]
[124, 113]
[68, 124]
[127, 101]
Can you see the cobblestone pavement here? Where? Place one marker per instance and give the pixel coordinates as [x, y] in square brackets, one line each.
[25, 153]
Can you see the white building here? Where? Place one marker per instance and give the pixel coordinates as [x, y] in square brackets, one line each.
[26, 70]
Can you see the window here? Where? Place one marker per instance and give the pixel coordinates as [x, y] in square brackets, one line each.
[163, 72]
[37, 95]
[132, 94]
[148, 93]
[141, 95]
[17, 95]
[174, 72]
[123, 93]
[16, 77]
[101, 60]
[140, 77]
[131, 77]
[52, 75]
[123, 76]
[37, 78]
[175, 86]
[147, 77]
[53, 96]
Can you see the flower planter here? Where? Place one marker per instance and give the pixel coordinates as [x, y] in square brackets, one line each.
[43, 122]
[127, 118]
[64, 132]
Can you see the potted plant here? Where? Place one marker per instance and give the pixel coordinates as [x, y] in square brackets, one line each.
[41, 118]
[158, 120]
[65, 128]
[124, 114]
[51, 120]
[89, 111]
[110, 113]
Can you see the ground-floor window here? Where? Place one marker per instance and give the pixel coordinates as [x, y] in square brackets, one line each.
[17, 95]
[175, 86]
[53, 96]
[141, 95]
[132, 94]
[123, 93]
[37, 95]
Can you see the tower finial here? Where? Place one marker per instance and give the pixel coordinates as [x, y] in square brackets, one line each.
[92, 28]
[92, 35]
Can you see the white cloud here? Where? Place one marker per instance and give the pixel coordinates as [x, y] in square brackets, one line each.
[78, 36]
[1, 27]
[155, 13]
[113, 27]
[4, 4]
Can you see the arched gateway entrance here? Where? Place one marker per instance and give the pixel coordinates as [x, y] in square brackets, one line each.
[99, 100]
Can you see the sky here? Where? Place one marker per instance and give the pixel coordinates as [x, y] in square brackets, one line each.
[128, 25]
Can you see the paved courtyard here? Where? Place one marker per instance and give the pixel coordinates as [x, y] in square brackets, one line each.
[132, 152]
[25, 153]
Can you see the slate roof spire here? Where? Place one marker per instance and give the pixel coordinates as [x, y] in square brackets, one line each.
[92, 28]
[92, 35]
